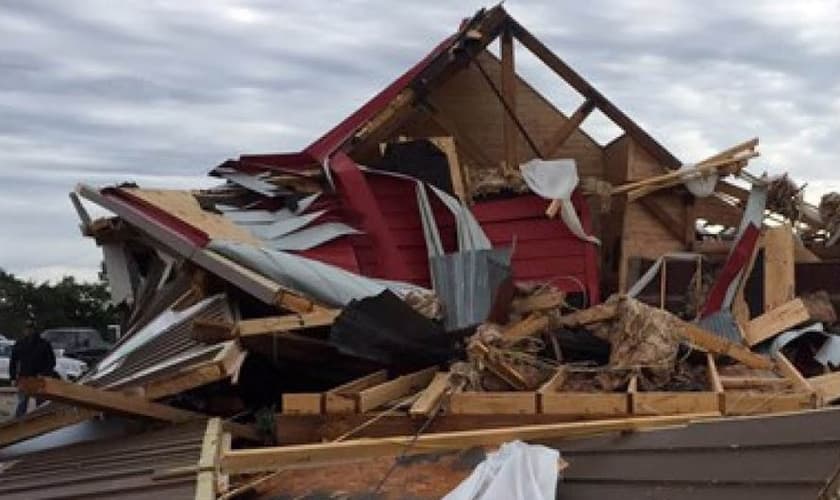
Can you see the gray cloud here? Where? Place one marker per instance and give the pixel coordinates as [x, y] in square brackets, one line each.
[158, 92]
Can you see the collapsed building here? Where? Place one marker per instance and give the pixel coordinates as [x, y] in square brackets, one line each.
[457, 264]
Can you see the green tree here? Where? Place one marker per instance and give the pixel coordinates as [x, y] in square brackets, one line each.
[45, 305]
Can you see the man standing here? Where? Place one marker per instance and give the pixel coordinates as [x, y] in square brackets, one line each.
[31, 356]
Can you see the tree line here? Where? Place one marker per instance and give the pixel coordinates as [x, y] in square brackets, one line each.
[49, 305]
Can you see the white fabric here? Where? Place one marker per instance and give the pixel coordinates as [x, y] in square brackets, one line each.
[699, 186]
[556, 180]
[517, 471]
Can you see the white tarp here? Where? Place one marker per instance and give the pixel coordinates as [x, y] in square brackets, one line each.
[517, 471]
[556, 180]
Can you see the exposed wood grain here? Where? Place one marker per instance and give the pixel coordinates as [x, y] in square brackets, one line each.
[772, 323]
[273, 458]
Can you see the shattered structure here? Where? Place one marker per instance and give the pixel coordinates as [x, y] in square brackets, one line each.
[456, 265]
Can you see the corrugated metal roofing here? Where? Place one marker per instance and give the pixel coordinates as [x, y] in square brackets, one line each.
[124, 468]
[780, 457]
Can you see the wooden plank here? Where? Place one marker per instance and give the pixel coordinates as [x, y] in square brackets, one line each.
[342, 399]
[827, 387]
[206, 487]
[758, 403]
[729, 383]
[710, 342]
[273, 458]
[102, 400]
[776, 321]
[527, 327]
[430, 399]
[510, 132]
[460, 180]
[378, 395]
[493, 403]
[287, 323]
[462, 139]
[303, 403]
[779, 258]
[673, 403]
[584, 404]
[668, 221]
[184, 380]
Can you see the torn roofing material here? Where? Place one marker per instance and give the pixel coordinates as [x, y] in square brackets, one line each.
[133, 466]
[385, 329]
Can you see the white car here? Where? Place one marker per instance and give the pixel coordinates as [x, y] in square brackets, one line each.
[67, 368]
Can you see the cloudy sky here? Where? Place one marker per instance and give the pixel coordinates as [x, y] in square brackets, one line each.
[158, 92]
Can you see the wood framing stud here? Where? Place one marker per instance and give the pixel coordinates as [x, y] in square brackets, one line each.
[269, 459]
[102, 400]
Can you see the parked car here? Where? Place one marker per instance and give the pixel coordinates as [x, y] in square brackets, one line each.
[85, 344]
[67, 368]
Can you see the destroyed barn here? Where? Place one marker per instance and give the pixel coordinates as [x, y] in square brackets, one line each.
[455, 266]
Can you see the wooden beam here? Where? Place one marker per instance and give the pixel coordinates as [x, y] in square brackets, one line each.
[342, 399]
[288, 323]
[779, 258]
[102, 400]
[430, 399]
[772, 323]
[302, 403]
[710, 342]
[206, 487]
[511, 134]
[378, 395]
[211, 331]
[556, 141]
[184, 380]
[269, 459]
[544, 54]
[493, 403]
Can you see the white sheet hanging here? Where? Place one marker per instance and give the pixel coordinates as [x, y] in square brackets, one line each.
[517, 471]
[556, 180]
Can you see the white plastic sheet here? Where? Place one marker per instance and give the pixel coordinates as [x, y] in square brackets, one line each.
[556, 180]
[517, 471]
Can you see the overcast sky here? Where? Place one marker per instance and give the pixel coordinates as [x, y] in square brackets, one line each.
[158, 92]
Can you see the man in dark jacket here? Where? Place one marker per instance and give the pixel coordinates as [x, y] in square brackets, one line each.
[31, 356]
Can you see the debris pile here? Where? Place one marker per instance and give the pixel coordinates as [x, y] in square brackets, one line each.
[430, 273]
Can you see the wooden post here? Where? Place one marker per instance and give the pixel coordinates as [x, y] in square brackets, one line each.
[779, 279]
[509, 94]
